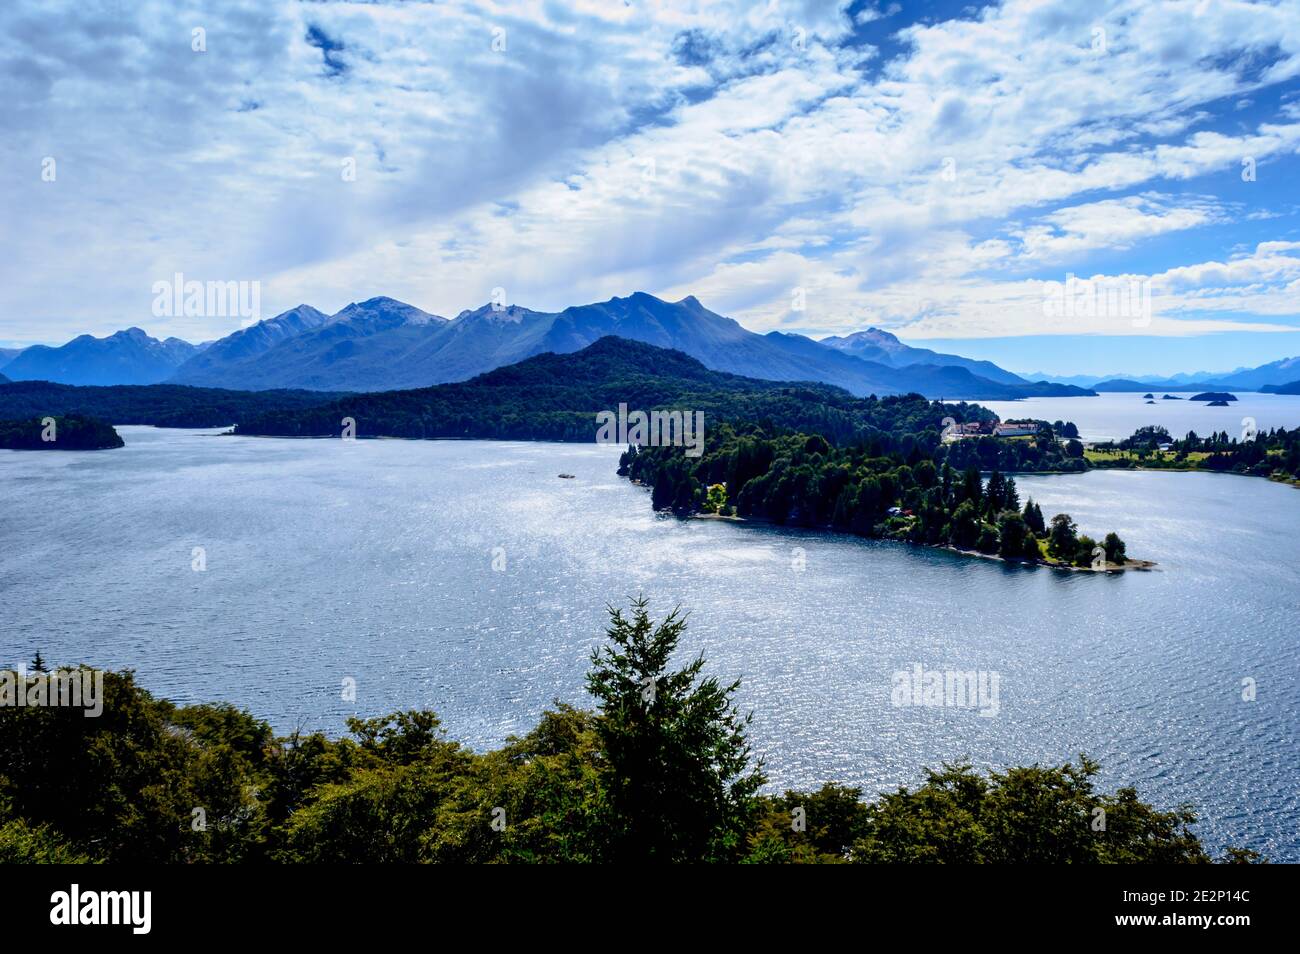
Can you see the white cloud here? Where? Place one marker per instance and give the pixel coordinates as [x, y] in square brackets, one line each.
[730, 150]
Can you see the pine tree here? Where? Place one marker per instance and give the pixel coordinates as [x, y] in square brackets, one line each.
[994, 495]
[1033, 515]
[676, 780]
[1010, 496]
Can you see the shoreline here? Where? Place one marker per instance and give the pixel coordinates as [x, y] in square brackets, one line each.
[1192, 470]
[1138, 565]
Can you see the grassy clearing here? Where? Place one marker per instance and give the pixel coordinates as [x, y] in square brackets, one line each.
[1152, 458]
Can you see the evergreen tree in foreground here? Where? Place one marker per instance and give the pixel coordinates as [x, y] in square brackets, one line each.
[676, 781]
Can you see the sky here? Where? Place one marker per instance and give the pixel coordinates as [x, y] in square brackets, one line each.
[938, 170]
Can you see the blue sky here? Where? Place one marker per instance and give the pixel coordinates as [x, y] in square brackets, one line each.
[930, 169]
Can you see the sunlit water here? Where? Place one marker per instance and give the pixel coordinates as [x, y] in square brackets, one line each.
[374, 560]
[1113, 416]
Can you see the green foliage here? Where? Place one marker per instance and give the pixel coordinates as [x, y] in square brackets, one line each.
[675, 777]
[661, 771]
[1033, 515]
[1274, 453]
[885, 487]
[1083, 555]
[1031, 815]
[161, 405]
[1012, 534]
[1041, 453]
[128, 780]
[715, 500]
[1063, 539]
[818, 827]
[22, 844]
[70, 432]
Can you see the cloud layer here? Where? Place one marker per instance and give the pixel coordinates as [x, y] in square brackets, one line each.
[929, 176]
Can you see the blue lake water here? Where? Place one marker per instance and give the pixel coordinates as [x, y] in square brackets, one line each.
[1114, 416]
[374, 560]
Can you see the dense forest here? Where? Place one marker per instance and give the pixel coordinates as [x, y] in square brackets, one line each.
[66, 432]
[888, 487]
[1273, 453]
[556, 397]
[161, 405]
[660, 770]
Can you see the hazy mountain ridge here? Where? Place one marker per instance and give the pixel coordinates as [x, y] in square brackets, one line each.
[875, 344]
[125, 357]
[1273, 374]
[405, 353]
[384, 344]
[363, 344]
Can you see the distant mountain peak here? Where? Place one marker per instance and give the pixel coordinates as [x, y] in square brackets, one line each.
[128, 356]
[385, 311]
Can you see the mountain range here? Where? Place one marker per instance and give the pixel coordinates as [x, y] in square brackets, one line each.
[129, 356]
[1265, 377]
[382, 344]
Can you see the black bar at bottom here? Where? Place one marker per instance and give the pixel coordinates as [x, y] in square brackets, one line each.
[328, 904]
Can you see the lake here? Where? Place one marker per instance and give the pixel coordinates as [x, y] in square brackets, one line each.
[375, 560]
[1114, 416]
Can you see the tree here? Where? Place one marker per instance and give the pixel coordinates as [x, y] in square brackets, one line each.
[971, 488]
[995, 494]
[676, 781]
[1066, 428]
[1115, 549]
[1011, 496]
[1011, 536]
[965, 526]
[716, 499]
[1031, 550]
[1033, 515]
[38, 663]
[1063, 541]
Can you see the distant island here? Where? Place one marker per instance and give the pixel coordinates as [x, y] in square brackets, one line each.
[1216, 398]
[69, 432]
